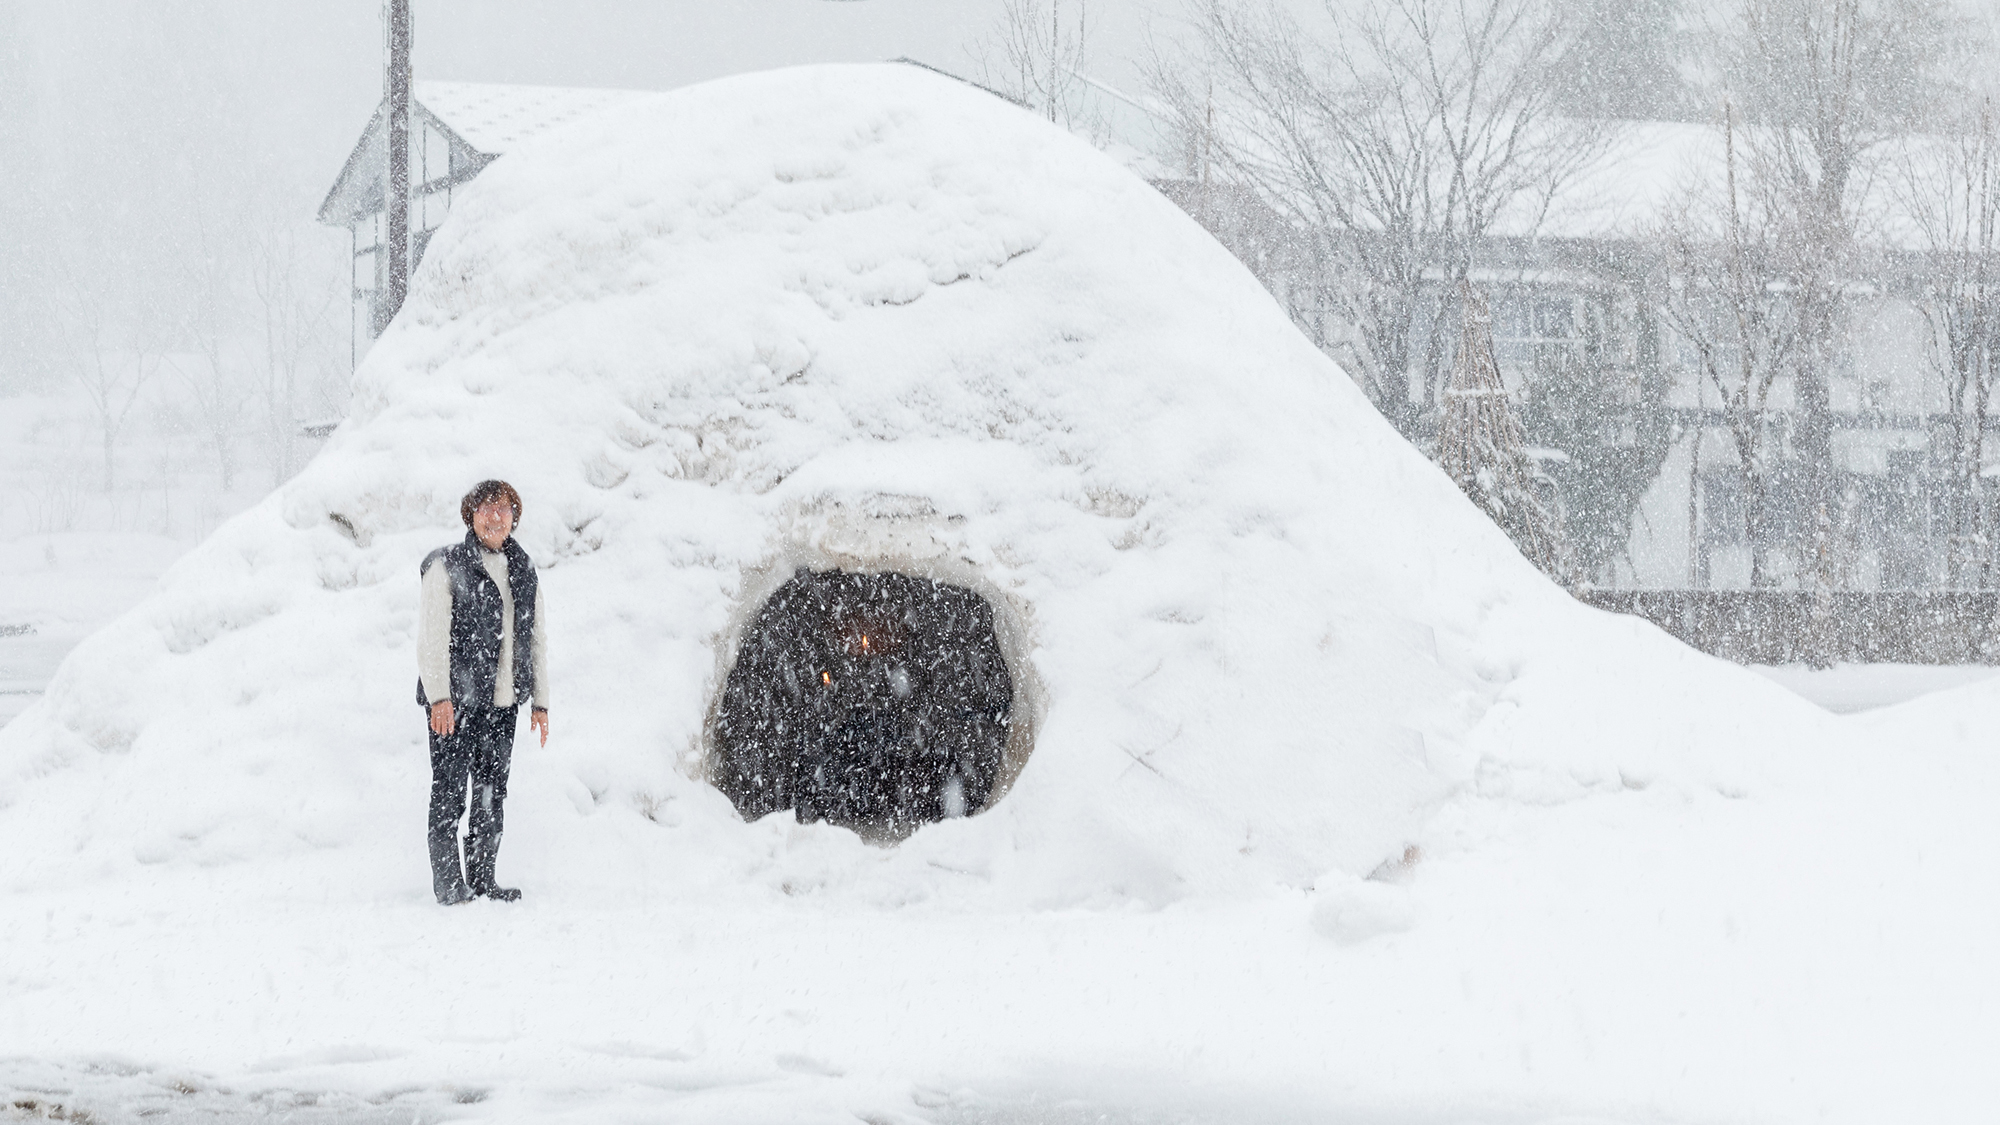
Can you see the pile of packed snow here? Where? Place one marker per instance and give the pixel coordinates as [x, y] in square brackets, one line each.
[868, 317]
[1246, 612]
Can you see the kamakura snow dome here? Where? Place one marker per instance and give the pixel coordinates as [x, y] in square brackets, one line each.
[1179, 606]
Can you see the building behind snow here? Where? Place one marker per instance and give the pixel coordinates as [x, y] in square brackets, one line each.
[456, 130]
[1675, 461]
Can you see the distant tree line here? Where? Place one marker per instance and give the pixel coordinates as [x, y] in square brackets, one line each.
[242, 335]
[180, 284]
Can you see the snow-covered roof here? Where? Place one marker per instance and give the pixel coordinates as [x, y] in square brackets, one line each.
[480, 121]
[1650, 171]
[1643, 168]
[494, 118]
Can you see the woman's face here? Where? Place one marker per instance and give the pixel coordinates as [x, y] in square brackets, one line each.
[493, 522]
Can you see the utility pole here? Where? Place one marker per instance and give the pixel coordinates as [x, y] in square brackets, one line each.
[1055, 54]
[396, 104]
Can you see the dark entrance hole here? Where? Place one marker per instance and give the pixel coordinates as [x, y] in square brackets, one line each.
[877, 702]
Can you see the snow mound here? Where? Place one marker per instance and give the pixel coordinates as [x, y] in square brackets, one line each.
[871, 318]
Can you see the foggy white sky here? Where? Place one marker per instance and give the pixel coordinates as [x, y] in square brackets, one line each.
[195, 81]
[126, 126]
[650, 45]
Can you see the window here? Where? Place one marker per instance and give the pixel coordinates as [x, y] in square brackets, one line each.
[1533, 332]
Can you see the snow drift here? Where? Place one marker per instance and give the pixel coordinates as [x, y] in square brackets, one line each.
[908, 330]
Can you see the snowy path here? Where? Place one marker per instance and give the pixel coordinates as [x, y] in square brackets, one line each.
[1516, 978]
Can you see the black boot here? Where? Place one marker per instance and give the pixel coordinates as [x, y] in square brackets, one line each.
[447, 880]
[480, 854]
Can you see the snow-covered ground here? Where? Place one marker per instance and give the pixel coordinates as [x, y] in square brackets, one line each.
[1847, 688]
[1336, 810]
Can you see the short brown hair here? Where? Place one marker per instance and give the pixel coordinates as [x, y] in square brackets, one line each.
[489, 490]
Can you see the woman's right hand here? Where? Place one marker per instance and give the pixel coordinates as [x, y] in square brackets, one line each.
[441, 718]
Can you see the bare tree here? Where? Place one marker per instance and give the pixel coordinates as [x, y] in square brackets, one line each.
[1035, 55]
[110, 357]
[211, 327]
[1396, 139]
[1721, 303]
[295, 301]
[1950, 191]
[1825, 83]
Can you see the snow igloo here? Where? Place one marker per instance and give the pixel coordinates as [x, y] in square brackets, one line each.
[896, 462]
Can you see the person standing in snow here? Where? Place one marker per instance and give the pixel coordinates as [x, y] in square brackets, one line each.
[480, 599]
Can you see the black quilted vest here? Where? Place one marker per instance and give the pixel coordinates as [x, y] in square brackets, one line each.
[476, 609]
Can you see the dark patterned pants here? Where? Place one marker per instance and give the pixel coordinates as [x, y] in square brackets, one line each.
[479, 751]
